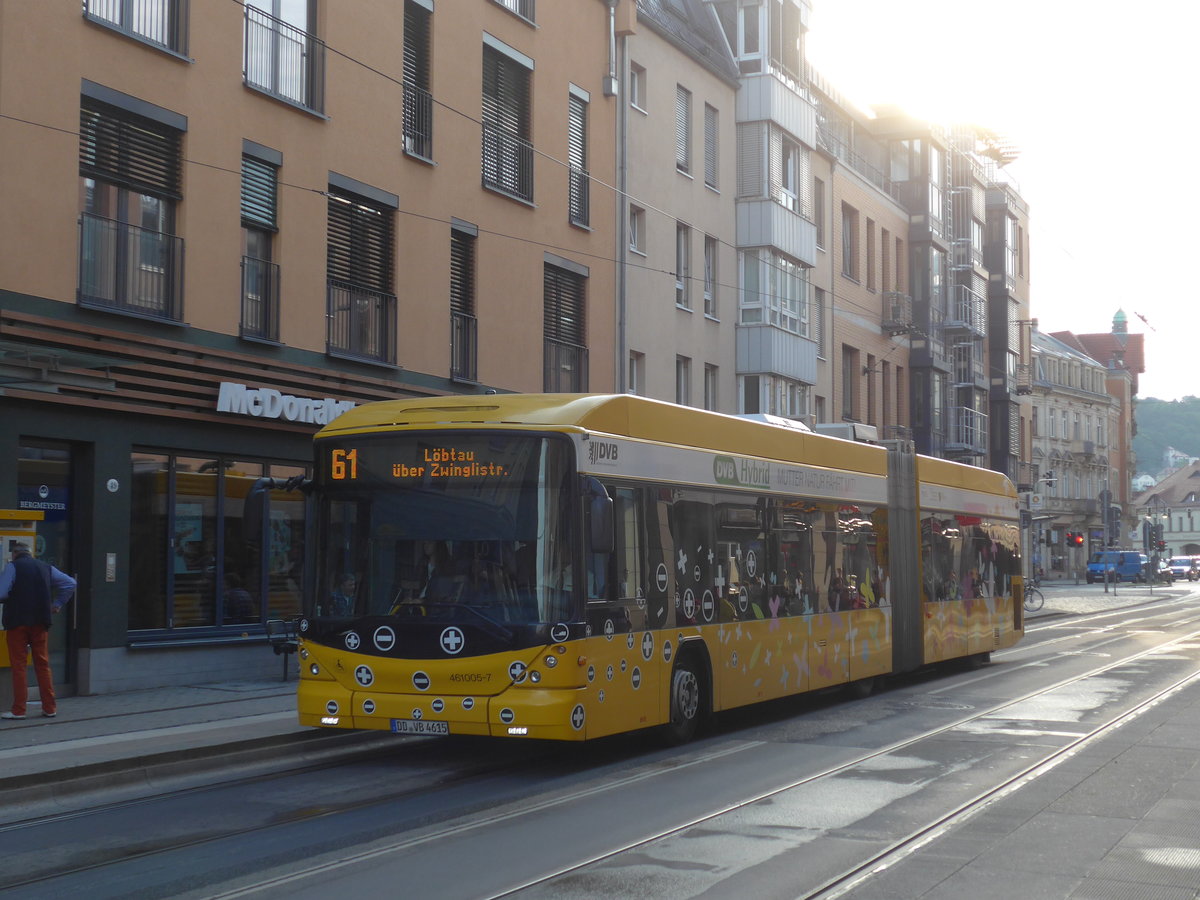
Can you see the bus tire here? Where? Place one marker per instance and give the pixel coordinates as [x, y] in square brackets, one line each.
[687, 700]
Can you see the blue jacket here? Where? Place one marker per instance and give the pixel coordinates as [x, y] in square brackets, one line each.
[32, 591]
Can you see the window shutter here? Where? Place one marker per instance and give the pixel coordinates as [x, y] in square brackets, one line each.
[683, 117]
[577, 133]
[360, 243]
[775, 164]
[505, 93]
[804, 181]
[462, 273]
[126, 150]
[750, 160]
[416, 45]
[563, 297]
[710, 146]
[258, 193]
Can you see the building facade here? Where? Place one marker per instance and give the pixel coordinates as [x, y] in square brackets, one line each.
[1075, 424]
[677, 301]
[240, 218]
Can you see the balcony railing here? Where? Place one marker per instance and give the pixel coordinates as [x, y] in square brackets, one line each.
[579, 184]
[565, 367]
[967, 310]
[283, 61]
[463, 347]
[260, 299]
[418, 121]
[507, 163]
[362, 323]
[523, 8]
[163, 23]
[130, 269]
[897, 313]
[967, 430]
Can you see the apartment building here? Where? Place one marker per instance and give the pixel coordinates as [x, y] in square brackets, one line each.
[677, 296]
[237, 220]
[862, 277]
[1075, 428]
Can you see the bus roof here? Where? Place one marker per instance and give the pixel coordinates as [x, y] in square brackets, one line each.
[622, 415]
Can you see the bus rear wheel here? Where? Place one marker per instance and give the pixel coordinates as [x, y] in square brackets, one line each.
[687, 701]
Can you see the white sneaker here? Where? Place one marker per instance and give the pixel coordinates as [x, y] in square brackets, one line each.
[10, 715]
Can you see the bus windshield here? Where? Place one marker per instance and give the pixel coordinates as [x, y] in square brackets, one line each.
[459, 525]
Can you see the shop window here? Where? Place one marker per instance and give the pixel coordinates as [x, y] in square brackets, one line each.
[192, 563]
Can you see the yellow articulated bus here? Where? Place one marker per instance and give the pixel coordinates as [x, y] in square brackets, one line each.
[573, 566]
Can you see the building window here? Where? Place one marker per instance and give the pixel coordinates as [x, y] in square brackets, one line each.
[775, 396]
[683, 265]
[360, 271]
[281, 57]
[418, 101]
[710, 386]
[870, 255]
[130, 259]
[507, 153]
[577, 161]
[188, 550]
[637, 229]
[260, 276]
[936, 180]
[522, 8]
[710, 276]
[774, 291]
[683, 129]
[849, 242]
[850, 376]
[819, 210]
[637, 373]
[885, 262]
[163, 23]
[789, 174]
[711, 138]
[683, 381]
[463, 324]
[565, 361]
[637, 87]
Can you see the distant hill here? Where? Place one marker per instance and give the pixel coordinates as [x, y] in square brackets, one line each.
[1162, 424]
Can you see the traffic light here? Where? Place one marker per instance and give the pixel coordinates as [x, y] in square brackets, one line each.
[1160, 546]
[1075, 538]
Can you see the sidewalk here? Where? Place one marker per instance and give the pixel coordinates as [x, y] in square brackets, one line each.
[112, 741]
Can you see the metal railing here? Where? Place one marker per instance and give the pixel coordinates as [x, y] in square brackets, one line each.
[523, 8]
[362, 323]
[418, 121]
[967, 429]
[161, 22]
[260, 299]
[967, 310]
[564, 367]
[283, 61]
[464, 335]
[580, 188]
[507, 162]
[130, 269]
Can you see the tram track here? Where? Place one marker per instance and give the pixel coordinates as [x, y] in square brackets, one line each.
[430, 833]
[828, 889]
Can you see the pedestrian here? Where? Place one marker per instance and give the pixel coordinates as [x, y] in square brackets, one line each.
[32, 592]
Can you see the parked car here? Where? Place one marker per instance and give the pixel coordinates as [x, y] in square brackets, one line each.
[1185, 567]
[1117, 565]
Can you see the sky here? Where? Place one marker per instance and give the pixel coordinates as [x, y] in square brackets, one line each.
[1097, 96]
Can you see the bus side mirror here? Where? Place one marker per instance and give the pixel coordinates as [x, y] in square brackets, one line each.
[600, 517]
[254, 509]
[258, 501]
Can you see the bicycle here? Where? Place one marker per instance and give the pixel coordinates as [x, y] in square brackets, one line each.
[1033, 599]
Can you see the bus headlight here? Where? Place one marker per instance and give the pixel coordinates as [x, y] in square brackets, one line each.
[314, 669]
